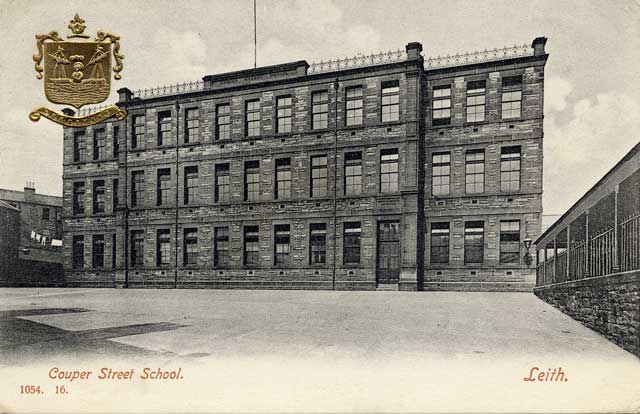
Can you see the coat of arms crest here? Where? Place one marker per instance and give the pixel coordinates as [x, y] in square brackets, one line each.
[77, 73]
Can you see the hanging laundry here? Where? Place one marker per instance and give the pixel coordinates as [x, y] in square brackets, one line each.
[38, 237]
[33, 234]
[56, 242]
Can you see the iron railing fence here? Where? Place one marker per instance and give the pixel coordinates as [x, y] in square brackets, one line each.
[630, 242]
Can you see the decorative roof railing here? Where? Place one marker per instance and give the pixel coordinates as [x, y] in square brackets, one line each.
[358, 61]
[167, 90]
[92, 110]
[478, 57]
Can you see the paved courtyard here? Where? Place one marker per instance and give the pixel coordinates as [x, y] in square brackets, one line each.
[320, 351]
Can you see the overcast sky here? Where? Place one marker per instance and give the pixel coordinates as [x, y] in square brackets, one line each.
[592, 91]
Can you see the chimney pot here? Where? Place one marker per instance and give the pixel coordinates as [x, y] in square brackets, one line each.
[538, 45]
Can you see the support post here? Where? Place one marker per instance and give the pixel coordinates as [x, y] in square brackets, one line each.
[568, 255]
[587, 244]
[616, 243]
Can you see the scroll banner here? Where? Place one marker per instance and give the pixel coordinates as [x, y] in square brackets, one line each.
[72, 121]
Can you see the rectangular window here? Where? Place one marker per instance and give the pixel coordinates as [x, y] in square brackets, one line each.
[46, 214]
[354, 104]
[99, 143]
[509, 242]
[116, 141]
[137, 248]
[283, 114]
[511, 97]
[441, 105]
[190, 247]
[390, 101]
[163, 247]
[113, 251]
[320, 110]
[78, 198]
[318, 244]
[190, 185]
[137, 136]
[441, 173]
[251, 246]
[283, 178]
[221, 247]
[163, 187]
[78, 252]
[116, 193]
[282, 244]
[222, 183]
[252, 118]
[439, 243]
[319, 176]
[98, 197]
[474, 171]
[476, 101]
[192, 125]
[137, 188]
[510, 169]
[351, 243]
[223, 121]
[353, 173]
[79, 146]
[389, 170]
[164, 128]
[97, 253]
[252, 180]
[473, 242]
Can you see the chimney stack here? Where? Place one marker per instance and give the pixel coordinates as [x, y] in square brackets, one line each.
[29, 191]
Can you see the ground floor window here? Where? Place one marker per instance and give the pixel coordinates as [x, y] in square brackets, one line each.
[318, 243]
[473, 242]
[351, 248]
[509, 242]
[78, 252]
[439, 243]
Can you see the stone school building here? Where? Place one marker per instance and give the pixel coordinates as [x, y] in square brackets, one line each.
[390, 171]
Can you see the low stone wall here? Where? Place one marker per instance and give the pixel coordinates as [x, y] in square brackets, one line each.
[609, 305]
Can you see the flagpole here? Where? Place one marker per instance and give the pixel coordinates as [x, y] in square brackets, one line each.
[255, 37]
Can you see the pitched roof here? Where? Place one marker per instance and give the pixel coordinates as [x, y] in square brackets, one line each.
[18, 196]
[8, 206]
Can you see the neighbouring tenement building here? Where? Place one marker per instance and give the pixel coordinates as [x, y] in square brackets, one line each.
[383, 171]
[588, 262]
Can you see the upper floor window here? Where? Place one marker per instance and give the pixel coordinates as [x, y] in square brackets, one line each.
[473, 242]
[77, 260]
[283, 114]
[318, 243]
[439, 243]
[252, 180]
[510, 241]
[221, 246]
[137, 188]
[283, 178]
[137, 136]
[116, 141]
[353, 173]
[441, 173]
[390, 101]
[190, 184]
[510, 169]
[441, 105]
[389, 170]
[137, 248]
[192, 125]
[223, 121]
[46, 213]
[354, 113]
[320, 110]
[97, 252]
[79, 146]
[476, 101]
[164, 128]
[252, 118]
[511, 97]
[351, 243]
[282, 244]
[99, 143]
[164, 187]
[78, 198]
[190, 247]
[319, 176]
[98, 197]
[251, 245]
[474, 171]
[163, 247]
[222, 183]
[116, 193]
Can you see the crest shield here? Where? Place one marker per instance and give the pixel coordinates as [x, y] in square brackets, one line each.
[77, 73]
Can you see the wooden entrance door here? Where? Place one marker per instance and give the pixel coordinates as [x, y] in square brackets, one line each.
[388, 266]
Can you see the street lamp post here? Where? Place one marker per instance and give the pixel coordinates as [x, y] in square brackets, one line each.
[527, 255]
